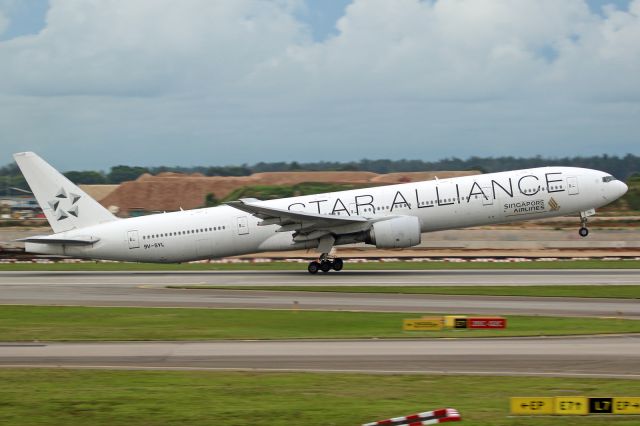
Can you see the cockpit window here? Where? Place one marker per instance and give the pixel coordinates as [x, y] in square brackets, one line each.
[608, 178]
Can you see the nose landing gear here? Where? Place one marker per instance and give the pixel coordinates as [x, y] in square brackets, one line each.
[583, 231]
[325, 264]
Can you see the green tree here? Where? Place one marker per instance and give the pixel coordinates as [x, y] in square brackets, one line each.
[119, 174]
[88, 177]
[210, 200]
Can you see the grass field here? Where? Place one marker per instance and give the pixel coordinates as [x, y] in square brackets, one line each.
[100, 397]
[48, 323]
[602, 291]
[302, 267]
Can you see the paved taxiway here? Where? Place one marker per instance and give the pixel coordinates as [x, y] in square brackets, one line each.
[149, 289]
[612, 356]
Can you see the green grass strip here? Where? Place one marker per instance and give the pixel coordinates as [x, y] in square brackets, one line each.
[153, 398]
[293, 266]
[598, 291]
[61, 323]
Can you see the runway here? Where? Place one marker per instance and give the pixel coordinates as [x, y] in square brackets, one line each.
[345, 277]
[617, 356]
[149, 289]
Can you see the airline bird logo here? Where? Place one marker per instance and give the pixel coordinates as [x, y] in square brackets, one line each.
[553, 205]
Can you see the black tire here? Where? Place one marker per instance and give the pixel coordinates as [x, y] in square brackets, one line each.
[583, 232]
[313, 267]
[337, 264]
[325, 266]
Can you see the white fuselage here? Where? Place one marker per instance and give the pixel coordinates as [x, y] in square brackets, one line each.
[438, 204]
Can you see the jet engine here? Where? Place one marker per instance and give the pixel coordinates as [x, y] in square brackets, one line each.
[399, 232]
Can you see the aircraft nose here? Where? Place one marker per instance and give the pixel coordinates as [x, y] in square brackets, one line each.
[618, 189]
[623, 188]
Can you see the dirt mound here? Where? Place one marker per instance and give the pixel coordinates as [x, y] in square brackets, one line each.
[98, 192]
[391, 178]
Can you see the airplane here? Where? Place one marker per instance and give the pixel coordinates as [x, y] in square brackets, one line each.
[393, 216]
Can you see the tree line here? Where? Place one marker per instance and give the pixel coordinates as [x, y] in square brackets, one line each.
[621, 167]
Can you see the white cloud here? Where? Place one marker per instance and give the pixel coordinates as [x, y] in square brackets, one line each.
[473, 50]
[141, 47]
[444, 50]
[196, 76]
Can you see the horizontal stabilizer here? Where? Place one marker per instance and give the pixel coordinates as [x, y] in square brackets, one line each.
[75, 241]
[65, 206]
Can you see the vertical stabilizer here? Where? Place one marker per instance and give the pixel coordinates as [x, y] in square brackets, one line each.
[64, 204]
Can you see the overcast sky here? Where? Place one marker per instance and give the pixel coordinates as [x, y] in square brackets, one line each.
[94, 83]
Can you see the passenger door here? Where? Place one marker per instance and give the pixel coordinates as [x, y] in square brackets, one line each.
[132, 238]
[572, 185]
[242, 225]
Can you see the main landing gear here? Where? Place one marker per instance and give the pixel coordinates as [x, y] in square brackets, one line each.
[325, 264]
[583, 231]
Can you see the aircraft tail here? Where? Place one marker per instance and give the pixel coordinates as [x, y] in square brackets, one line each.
[65, 205]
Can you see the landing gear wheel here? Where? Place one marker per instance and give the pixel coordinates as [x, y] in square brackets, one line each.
[337, 264]
[325, 266]
[583, 231]
[313, 267]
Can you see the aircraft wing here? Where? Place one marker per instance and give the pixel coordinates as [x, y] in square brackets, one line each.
[302, 222]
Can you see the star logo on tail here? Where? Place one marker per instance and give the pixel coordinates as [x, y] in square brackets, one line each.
[65, 204]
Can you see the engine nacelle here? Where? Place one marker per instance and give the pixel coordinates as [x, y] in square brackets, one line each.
[399, 232]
